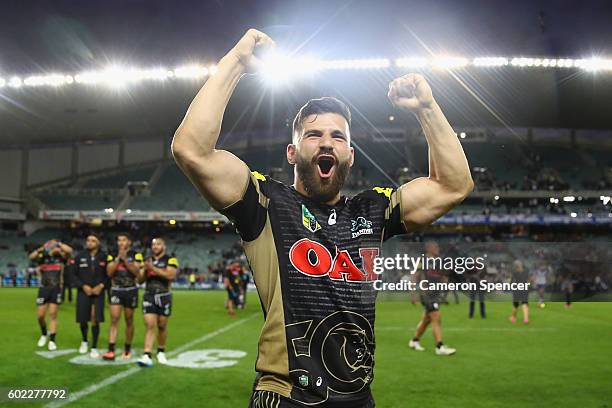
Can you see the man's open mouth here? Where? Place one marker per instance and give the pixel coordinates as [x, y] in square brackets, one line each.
[326, 165]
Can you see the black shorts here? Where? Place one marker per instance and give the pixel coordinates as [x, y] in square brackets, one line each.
[126, 297]
[233, 295]
[84, 304]
[520, 297]
[431, 302]
[268, 399]
[159, 304]
[49, 294]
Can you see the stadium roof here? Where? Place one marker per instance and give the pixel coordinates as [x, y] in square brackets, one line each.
[66, 36]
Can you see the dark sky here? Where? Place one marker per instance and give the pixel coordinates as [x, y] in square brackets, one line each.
[71, 35]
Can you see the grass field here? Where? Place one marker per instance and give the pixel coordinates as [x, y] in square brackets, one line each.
[563, 358]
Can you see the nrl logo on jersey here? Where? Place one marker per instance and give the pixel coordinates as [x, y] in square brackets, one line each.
[309, 221]
[361, 226]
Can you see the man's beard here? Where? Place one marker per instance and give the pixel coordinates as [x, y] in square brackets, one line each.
[320, 189]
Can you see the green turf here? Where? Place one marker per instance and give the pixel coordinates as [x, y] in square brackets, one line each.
[563, 358]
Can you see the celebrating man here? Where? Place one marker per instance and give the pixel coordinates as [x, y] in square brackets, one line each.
[124, 270]
[159, 271]
[51, 258]
[311, 250]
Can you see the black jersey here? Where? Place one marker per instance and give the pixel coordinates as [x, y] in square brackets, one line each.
[89, 270]
[51, 267]
[312, 264]
[122, 278]
[156, 283]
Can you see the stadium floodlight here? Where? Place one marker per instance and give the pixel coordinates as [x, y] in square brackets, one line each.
[368, 63]
[594, 64]
[448, 62]
[2, 82]
[411, 62]
[109, 210]
[490, 62]
[191, 72]
[569, 199]
[277, 68]
[172, 222]
[48, 80]
[496, 198]
[573, 215]
[15, 82]
[462, 135]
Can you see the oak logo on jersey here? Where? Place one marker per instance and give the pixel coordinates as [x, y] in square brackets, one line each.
[309, 220]
[314, 259]
[361, 226]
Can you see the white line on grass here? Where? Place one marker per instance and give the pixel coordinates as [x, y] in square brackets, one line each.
[121, 375]
[467, 329]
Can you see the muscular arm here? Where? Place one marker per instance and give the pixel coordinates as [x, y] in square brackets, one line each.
[425, 199]
[219, 175]
[168, 273]
[111, 267]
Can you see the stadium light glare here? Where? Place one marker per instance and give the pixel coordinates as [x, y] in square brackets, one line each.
[2, 82]
[594, 64]
[371, 63]
[462, 135]
[172, 222]
[278, 68]
[411, 62]
[490, 61]
[569, 199]
[573, 215]
[448, 62]
[15, 82]
[191, 72]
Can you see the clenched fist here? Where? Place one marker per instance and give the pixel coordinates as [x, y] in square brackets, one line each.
[253, 40]
[411, 93]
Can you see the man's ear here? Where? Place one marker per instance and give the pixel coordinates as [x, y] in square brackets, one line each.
[291, 153]
[352, 156]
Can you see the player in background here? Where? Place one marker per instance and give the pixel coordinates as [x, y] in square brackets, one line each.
[431, 302]
[50, 258]
[123, 269]
[245, 277]
[520, 297]
[541, 276]
[567, 286]
[475, 276]
[232, 282]
[89, 276]
[159, 271]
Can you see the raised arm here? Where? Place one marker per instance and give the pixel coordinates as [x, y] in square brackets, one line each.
[425, 199]
[220, 176]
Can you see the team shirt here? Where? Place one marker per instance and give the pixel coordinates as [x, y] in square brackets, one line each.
[122, 278]
[89, 270]
[156, 283]
[50, 267]
[312, 264]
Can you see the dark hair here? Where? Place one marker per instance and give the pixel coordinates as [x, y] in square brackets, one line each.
[327, 104]
[124, 234]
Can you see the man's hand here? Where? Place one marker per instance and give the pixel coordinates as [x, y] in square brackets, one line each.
[88, 290]
[122, 255]
[97, 290]
[252, 41]
[411, 93]
[149, 267]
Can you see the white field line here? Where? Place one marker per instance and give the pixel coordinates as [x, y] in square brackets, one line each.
[123, 374]
[520, 327]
